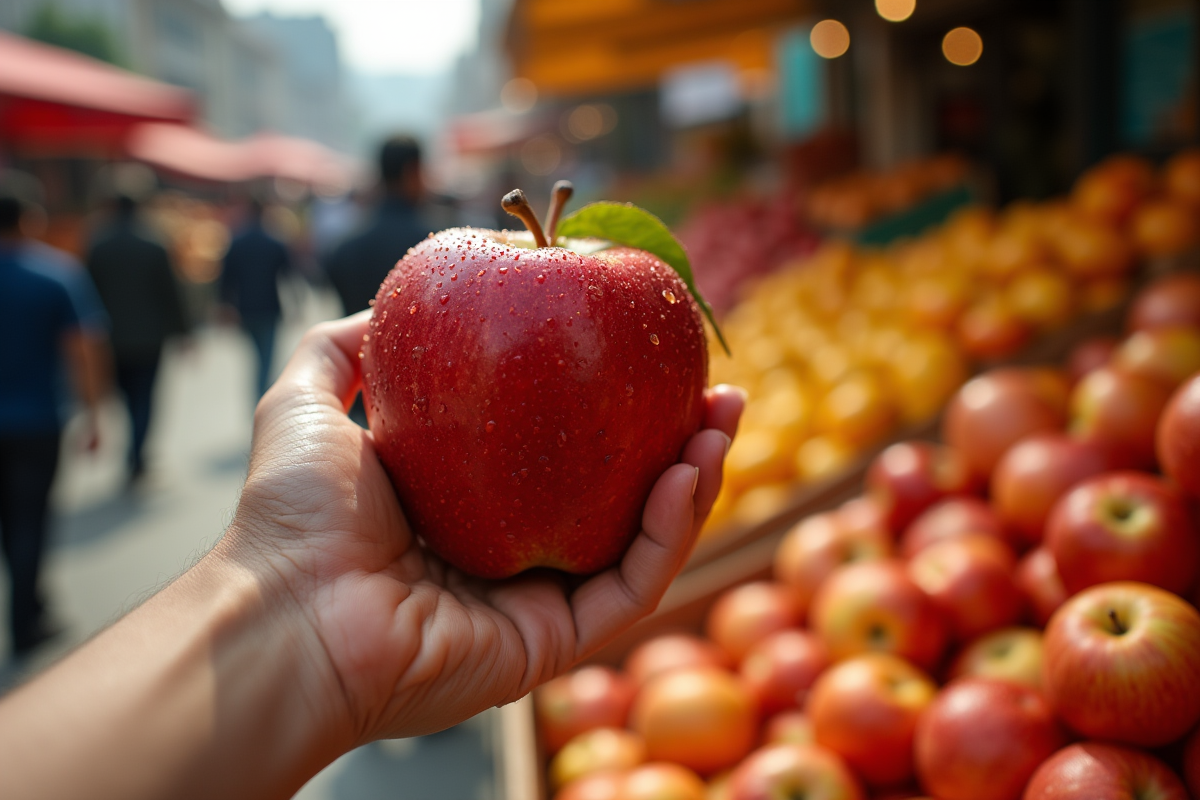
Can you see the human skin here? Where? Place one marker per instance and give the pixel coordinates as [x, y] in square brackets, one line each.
[318, 623]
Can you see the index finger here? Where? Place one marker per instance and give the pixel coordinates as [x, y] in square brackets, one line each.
[326, 360]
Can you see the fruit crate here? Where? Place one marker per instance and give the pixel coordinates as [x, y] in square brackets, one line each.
[733, 556]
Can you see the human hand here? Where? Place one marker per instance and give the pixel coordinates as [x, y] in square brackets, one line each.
[399, 643]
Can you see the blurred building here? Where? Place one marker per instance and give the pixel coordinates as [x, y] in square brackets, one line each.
[264, 73]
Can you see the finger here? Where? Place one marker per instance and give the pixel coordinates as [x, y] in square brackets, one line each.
[618, 597]
[725, 404]
[706, 450]
[326, 359]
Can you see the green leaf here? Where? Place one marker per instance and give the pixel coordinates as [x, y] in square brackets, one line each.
[626, 224]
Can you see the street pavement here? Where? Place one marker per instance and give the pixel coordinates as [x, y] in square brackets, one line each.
[113, 547]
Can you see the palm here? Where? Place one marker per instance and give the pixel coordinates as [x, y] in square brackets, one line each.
[416, 645]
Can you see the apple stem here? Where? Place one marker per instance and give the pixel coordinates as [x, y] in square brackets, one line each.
[1118, 628]
[516, 204]
[558, 199]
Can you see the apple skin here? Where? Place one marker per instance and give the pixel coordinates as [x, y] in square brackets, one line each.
[745, 615]
[1169, 302]
[1009, 654]
[909, 477]
[1097, 771]
[1124, 526]
[874, 606]
[819, 544]
[1178, 437]
[788, 727]
[524, 402]
[970, 580]
[1169, 355]
[597, 750]
[588, 698]
[994, 411]
[793, 770]
[981, 739]
[1034, 474]
[1140, 686]
[865, 709]
[1038, 579]
[952, 517]
[779, 670]
[1090, 354]
[1119, 410]
[671, 651]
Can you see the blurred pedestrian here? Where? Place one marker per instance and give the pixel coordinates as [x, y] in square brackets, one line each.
[359, 264]
[47, 329]
[250, 275]
[133, 275]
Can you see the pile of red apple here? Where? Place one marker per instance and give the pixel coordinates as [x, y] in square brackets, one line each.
[1010, 614]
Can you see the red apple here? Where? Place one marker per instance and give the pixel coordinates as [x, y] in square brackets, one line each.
[588, 698]
[1178, 437]
[1122, 663]
[1096, 771]
[1035, 473]
[525, 400]
[1009, 654]
[1170, 302]
[819, 544]
[994, 411]
[874, 606]
[662, 781]
[779, 670]
[1038, 579]
[702, 718]
[596, 786]
[671, 651]
[788, 727]
[597, 750]
[981, 739]
[865, 709]
[1090, 354]
[952, 517]
[970, 580]
[909, 477]
[793, 770]
[747, 614]
[1169, 355]
[1119, 411]
[1124, 526]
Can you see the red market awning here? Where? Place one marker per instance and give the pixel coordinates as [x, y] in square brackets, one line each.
[194, 153]
[56, 101]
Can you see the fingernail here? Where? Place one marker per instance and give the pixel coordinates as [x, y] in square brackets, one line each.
[728, 442]
[695, 480]
[734, 389]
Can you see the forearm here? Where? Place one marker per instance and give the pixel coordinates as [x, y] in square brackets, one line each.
[210, 689]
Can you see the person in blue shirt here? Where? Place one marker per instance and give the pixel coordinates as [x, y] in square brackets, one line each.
[250, 275]
[42, 335]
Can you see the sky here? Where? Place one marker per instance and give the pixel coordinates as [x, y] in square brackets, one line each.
[416, 37]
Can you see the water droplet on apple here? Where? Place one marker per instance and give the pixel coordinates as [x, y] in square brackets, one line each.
[490, 426]
[511, 537]
[540, 279]
[503, 270]
[607, 459]
[665, 368]
[412, 309]
[595, 291]
[562, 438]
[629, 390]
[441, 408]
[444, 299]
[654, 338]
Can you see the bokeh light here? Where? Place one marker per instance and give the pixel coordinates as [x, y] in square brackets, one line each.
[962, 46]
[830, 38]
[541, 155]
[895, 10]
[519, 95]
